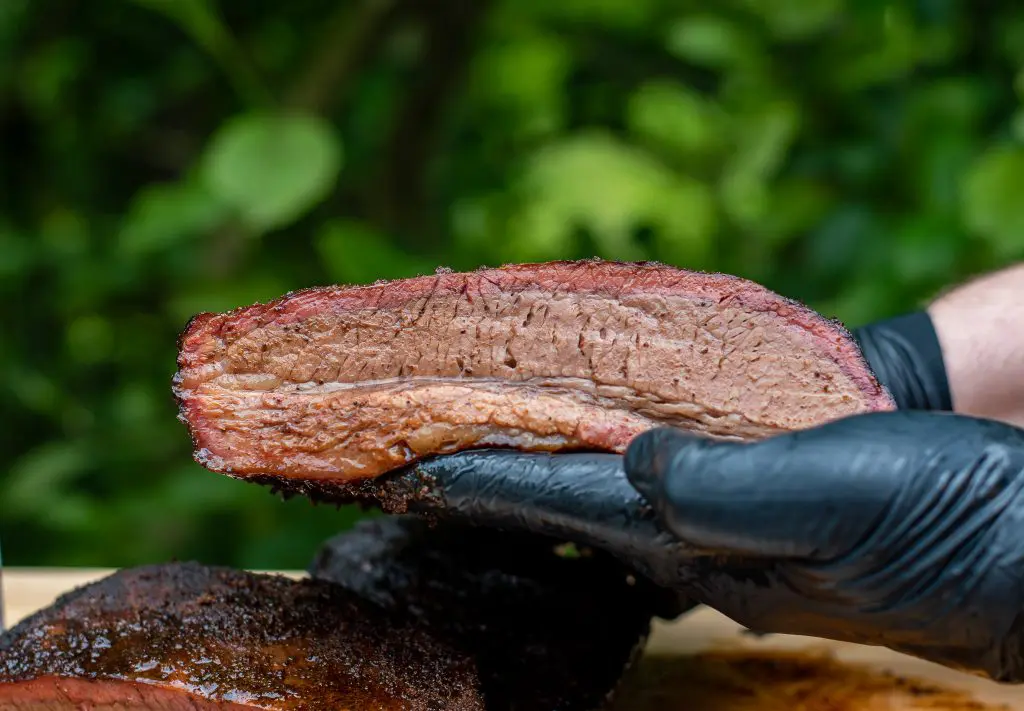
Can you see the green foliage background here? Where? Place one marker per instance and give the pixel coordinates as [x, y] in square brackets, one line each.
[165, 157]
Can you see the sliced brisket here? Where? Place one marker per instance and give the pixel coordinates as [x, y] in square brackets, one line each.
[194, 638]
[349, 383]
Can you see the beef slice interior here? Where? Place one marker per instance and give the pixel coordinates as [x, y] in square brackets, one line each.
[195, 638]
[545, 631]
[348, 383]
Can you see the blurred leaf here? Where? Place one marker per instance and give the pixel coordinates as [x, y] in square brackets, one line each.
[924, 250]
[992, 202]
[1017, 125]
[65, 235]
[597, 183]
[40, 477]
[766, 137]
[16, 253]
[940, 169]
[527, 75]
[608, 13]
[794, 206]
[677, 118]
[272, 168]
[710, 40]
[89, 338]
[353, 253]
[843, 242]
[223, 297]
[859, 303]
[797, 19]
[34, 390]
[1010, 38]
[892, 57]
[164, 215]
[51, 71]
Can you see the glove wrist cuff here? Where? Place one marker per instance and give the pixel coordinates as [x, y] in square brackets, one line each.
[905, 355]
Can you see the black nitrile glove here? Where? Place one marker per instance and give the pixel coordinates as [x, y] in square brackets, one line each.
[905, 355]
[583, 498]
[899, 529]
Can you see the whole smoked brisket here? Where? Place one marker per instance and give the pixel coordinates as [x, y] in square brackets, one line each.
[406, 617]
[186, 637]
[348, 383]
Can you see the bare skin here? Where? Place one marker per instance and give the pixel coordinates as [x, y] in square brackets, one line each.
[980, 326]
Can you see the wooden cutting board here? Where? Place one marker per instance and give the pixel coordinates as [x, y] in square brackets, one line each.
[704, 662]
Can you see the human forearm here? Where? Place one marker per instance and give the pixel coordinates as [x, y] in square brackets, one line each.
[980, 326]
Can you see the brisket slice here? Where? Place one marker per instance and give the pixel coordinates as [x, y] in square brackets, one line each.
[546, 632]
[348, 383]
[194, 638]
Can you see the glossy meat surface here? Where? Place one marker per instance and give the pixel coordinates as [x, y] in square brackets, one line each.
[407, 616]
[192, 637]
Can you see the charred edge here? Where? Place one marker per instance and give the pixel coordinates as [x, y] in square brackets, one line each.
[184, 333]
[392, 493]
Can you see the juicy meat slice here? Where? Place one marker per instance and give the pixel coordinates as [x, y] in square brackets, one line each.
[195, 638]
[348, 383]
[545, 631]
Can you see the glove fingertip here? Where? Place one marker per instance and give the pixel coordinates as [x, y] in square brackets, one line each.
[650, 457]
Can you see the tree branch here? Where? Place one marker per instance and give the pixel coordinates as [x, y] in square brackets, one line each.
[352, 34]
[398, 203]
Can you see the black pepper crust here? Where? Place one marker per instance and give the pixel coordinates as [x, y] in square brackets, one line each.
[212, 637]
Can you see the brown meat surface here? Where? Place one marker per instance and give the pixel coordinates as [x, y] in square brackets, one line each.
[186, 637]
[348, 383]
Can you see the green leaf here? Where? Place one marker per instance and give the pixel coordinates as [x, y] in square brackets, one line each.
[925, 249]
[611, 189]
[795, 206]
[354, 253]
[711, 41]
[162, 216]
[633, 15]
[991, 199]
[16, 253]
[272, 168]
[43, 475]
[225, 296]
[47, 75]
[765, 139]
[90, 338]
[527, 76]
[797, 19]
[677, 118]
[1017, 125]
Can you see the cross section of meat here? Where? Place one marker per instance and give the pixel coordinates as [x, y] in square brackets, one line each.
[348, 383]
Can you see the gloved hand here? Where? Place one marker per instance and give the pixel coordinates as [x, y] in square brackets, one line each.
[900, 529]
[587, 498]
[583, 498]
[905, 355]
